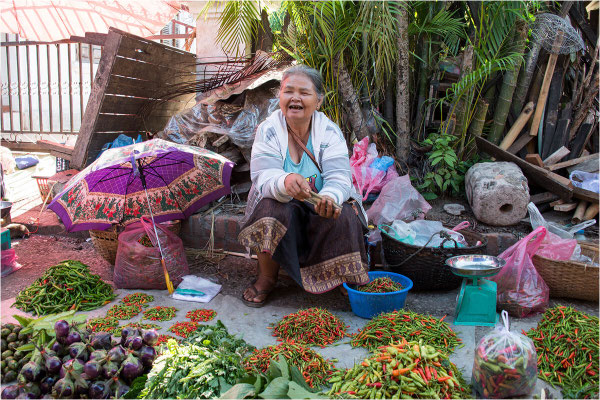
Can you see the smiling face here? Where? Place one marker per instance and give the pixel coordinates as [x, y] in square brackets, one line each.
[298, 98]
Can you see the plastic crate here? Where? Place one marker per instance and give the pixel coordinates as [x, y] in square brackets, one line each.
[5, 239]
[368, 305]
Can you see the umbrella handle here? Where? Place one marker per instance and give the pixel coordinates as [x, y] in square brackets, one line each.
[167, 278]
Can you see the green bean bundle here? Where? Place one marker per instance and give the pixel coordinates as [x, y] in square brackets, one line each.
[63, 287]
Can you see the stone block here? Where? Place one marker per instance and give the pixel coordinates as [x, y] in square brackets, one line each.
[497, 192]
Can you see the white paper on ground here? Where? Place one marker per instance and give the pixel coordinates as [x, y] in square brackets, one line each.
[193, 282]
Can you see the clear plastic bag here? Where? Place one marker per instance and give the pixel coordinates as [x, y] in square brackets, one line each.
[398, 200]
[138, 265]
[521, 290]
[505, 364]
[585, 180]
[428, 234]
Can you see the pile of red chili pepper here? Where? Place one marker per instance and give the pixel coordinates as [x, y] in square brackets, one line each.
[140, 299]
[102, 324]
[380, 285]
[401, 370]
[393, 326]
[201, 315]
[183, 329]
[314, 368]
[145, 241]
[566, 341]
[160, 313]
[123, 311]
[162, 339]
[313, 326]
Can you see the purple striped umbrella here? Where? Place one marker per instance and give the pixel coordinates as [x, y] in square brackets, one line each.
[180, 179]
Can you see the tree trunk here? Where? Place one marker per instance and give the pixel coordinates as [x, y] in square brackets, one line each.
[402, 91]
[349, 100]
[507, 90]
[423, 86]
[461, 107]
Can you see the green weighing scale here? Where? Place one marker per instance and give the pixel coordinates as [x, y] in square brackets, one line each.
[476, 302]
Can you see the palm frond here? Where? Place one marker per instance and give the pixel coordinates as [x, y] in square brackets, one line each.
[238, 24]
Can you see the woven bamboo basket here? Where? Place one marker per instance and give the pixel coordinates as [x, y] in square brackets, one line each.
[106, 242]
[426, 266]
[571, 279]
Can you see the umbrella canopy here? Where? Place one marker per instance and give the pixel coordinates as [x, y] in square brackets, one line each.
[179, 180]
[52, 20]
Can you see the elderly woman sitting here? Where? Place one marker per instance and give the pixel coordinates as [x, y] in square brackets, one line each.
[297, 150]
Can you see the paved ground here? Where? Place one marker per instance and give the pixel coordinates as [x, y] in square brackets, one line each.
[234, 273]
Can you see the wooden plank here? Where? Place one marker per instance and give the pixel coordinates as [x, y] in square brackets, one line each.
[586, 195]
[534, 159]
[149, 72]
[96, 38]
[544, 197]
[557, 203]
[520, 143]
[574, 161]
[565, 207]
[118, 123]
[587, 29]
[579, 211]
[551, 111]
[22, 146]
[150, 52]
[92, 110]
[139, 41]
[133, 105]
[581, 138]
[540, 176]
[556, 156]
[590, 165]
[141, 88]
[57, 149]
[517, 126]
[590, 212]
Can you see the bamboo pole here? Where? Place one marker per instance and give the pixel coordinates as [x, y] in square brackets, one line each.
[537, 117]
[517, 127]
[525, 77]
[507, 90]
[590, 212]
[476, 126]
[579, 211]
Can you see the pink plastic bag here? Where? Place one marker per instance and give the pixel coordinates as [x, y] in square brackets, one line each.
[521, 290]
[138, 266]
[9, 262]
[556, 248]
[398, 200]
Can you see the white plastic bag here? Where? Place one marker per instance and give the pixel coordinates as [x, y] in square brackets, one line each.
[585, 180]
[192, 286]
[505, 364]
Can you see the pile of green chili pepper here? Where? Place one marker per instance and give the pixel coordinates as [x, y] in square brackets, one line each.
[201, 315]
[314, 368]
[103, 324]
[123, 311]
[183, 329]
[159, 313]
[380, 285]
[393, 326]
[566, 341]
[140, 299]
[313, 326]
[401, 370]
[63, 287]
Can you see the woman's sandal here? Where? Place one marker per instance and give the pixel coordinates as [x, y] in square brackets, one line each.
[256, 293]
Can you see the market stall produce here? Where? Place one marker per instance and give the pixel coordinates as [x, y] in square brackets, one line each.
[201, 315]
[313, 326]
[159, 313]
[393, 326]
[401, 370]
[566, 341]
[313, 367]
[13, 359]
[78, 364]
[138, 298]
[380, 285]
[66, 286]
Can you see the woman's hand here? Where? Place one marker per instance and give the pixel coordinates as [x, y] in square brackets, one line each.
[297, 187]
[325, 208]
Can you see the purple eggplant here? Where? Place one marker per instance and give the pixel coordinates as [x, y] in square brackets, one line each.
[92, 369]
[53, 365]
[57, 348]
[73, 365]
[110, 369]
[11, 392]
[72, 337]
[100, 340]
[129, 331]
[117, 354]
[98, 390]
[47, 383]
[31, 390]
[79, 350]
[61, 328]
[131, 368]
[115, 340]
[147, 355]
[32, 371]
[136, 343]
[97, 355]
[63, 388]
[150, 337]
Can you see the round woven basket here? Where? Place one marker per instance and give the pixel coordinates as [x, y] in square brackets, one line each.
[571, 279]
[106, 242]
[427, 266]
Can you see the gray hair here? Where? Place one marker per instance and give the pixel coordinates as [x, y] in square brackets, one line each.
[311, 73]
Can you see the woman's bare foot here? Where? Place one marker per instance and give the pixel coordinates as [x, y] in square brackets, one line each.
[258, 291]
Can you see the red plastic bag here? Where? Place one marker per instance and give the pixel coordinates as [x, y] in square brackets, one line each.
[9, 262]
[138, 258]
[556, 248]
[521, 290]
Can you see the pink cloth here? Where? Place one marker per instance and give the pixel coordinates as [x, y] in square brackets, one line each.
[52, 20]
